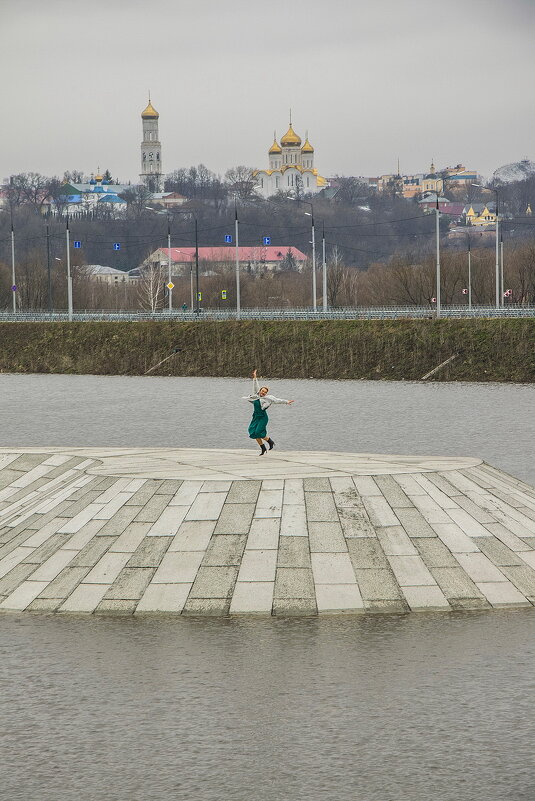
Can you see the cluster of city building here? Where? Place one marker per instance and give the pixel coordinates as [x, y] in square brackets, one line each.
[291, 171]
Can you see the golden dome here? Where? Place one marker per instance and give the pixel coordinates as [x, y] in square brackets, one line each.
[291, 138]
[275, 147]
[99, 177]
[150, 113]
[307, 147]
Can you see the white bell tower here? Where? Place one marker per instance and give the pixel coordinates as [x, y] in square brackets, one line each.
[151, 151]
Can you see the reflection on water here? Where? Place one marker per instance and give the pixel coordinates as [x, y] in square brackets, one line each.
[491, 421]
[416, 708]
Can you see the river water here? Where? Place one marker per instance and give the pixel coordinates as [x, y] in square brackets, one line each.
[412, 708]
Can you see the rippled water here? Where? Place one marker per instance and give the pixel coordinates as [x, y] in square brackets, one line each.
[378, 708]
[491, 421]
[417, 708]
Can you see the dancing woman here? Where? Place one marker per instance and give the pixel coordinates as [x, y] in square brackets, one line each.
[258, 425]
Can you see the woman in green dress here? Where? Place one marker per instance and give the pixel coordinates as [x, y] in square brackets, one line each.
[261, 401]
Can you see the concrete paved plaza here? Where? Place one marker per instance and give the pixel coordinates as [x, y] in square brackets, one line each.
[218, 532]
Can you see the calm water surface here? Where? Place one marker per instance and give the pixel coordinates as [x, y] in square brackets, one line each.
[491, 421]
[416, 708]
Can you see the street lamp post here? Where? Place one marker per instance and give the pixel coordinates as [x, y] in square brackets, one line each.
[437, 212]
[498, 299]
[324, 267]
[313, 243]
[469, 275]
[196, 267]
[502, 298]
[13, 284]
[236, 233]
[169, 289]
[69, 277]
[48, 271]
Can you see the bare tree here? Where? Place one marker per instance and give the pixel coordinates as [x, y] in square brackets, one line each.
[240, 181]
[335, 276]
[137, 199]
[151, 287]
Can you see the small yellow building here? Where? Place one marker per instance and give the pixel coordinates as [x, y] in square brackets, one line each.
[480, 214]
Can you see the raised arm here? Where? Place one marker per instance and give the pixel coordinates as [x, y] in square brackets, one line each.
[256, 385]
[273, 399]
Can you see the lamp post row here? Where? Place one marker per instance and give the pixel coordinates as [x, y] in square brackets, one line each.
[499, 263]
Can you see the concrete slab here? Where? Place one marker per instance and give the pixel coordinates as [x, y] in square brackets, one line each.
[217, 532]
[502, 593]
[258, 566]
[163, 598]
[326, 537]
[178, 567]
[85, 598]
[23, 595]
[338, 598]
[252, 597]
[225, 551]
[332, 568]
[263, 534]
[293, 521]
[193, 535]
[426, 599]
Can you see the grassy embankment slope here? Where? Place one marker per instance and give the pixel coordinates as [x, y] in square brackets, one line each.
[489, 350]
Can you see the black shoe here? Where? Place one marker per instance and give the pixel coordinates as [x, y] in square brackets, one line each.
[271, 444]
[263, 450]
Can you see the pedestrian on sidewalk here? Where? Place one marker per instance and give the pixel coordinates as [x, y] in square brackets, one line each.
[261, 401]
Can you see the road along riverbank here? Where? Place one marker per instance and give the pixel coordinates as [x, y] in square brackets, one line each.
[482, 349]
[216, 532]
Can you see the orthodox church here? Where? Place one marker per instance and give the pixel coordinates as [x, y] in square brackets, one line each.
[291, 168]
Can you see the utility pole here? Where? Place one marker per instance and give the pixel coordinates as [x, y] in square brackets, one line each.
[314, 291]
[13, 284]
[170, 291]
[48, 271]
[502, 299]
[497, 253]
[236, 225]
[438, 257]
[324, 267]
[69, 277]
[469, 277]
[196, 266]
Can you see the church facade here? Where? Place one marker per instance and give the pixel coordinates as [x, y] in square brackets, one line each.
[291, 168]
[151, 151]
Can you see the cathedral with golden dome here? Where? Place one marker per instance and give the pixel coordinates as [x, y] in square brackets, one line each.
[151, 151]
[291, 168]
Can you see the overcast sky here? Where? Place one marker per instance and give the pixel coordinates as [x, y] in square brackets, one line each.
[371, 81]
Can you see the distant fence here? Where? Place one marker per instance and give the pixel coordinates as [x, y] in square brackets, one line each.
[354, 313]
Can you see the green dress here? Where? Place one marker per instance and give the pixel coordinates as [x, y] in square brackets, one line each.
[258, 424]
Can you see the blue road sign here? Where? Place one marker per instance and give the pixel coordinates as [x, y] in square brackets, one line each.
[267, 240]
[77, 243]
[117, 246]
[228, 238]
[13, 288]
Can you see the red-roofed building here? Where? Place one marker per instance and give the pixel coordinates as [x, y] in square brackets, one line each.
[252, 259]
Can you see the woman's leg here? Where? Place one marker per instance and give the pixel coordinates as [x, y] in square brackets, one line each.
[263, 448]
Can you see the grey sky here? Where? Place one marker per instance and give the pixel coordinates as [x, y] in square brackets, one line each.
[370, 80]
